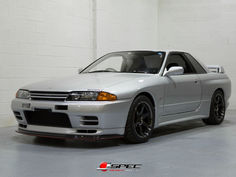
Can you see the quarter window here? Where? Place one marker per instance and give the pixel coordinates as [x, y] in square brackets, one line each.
[199, 69]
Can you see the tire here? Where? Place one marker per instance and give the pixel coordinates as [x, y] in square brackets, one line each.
[217, 109]
[140, 121]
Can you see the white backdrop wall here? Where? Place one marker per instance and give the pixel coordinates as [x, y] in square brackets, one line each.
[126, 25]
[206, 28]
[44, 39]
[39, 40]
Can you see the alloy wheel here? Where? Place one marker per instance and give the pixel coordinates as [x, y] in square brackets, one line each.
[219, 107]
[143, 119]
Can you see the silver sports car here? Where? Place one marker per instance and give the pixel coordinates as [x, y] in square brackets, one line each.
[124, 94]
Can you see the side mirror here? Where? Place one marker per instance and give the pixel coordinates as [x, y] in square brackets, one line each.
[79, 70]
[175, 70]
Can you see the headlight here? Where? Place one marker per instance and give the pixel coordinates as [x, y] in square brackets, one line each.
[23, 94]
[91, 96]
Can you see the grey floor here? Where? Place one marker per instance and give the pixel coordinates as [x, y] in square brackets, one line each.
[185, 149]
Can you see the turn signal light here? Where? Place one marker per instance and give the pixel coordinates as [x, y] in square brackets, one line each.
[104, 96]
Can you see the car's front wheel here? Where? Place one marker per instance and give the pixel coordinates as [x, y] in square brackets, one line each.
[217, 110]
[140, 122]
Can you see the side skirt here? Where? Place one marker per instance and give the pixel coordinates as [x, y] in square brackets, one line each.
[181, 120]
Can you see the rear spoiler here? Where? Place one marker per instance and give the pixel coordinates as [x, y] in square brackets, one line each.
[215, 68]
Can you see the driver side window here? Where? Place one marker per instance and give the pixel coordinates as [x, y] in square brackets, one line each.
[178, 60]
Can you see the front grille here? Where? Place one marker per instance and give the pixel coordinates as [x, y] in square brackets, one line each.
[47, 118]
[49, 96]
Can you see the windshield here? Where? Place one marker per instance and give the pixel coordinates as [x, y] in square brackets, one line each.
[128, 62]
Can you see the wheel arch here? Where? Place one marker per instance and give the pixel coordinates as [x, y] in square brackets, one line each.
[219, 89]
[148, 95]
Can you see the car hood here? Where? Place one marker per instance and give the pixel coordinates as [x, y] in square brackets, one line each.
[87, 81]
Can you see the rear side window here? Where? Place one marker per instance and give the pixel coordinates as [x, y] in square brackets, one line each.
[199, 69]
[179, 60]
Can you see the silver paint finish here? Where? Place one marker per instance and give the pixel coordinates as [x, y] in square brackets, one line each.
[182, 94]
[176, 98]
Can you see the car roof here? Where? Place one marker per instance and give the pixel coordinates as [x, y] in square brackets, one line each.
[160, 50]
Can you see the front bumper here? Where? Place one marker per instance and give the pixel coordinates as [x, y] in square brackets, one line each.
[111, 117]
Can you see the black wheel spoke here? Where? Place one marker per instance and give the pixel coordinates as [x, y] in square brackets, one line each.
[136, 124]
[141, 130]
[142, 110]
[217, 100]
[147, 126]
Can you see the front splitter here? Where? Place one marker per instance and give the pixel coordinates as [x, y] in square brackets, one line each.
[69, 136]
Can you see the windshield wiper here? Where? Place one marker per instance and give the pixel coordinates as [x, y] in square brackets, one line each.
[99, 71]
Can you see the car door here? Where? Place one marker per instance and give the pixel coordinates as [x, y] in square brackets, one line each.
[182, 92]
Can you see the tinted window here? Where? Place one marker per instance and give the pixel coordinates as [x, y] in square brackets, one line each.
[179, 60]
[199, 69]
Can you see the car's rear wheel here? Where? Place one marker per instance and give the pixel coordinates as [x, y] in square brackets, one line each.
[140, 121]
[217, 109]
